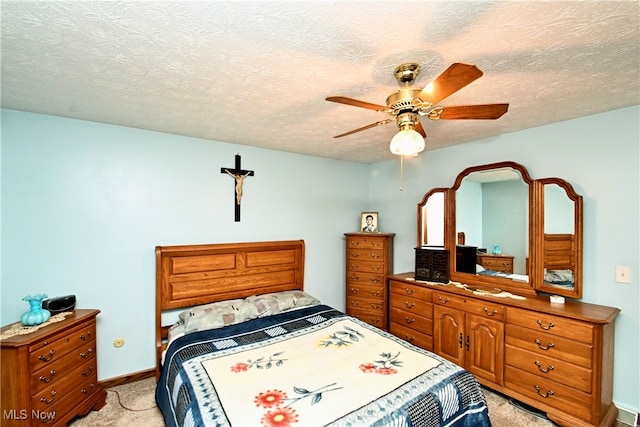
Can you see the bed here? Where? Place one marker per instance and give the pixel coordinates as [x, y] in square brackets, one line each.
[250, 347]
[559, 260]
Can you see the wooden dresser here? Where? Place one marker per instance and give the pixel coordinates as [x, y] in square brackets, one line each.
[369, 261]
[557, 358]
[502, 263]
[50, 376]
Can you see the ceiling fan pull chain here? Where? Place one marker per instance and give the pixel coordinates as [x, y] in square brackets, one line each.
[401, 173]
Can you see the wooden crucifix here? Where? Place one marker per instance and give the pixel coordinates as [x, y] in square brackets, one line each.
[238, 174]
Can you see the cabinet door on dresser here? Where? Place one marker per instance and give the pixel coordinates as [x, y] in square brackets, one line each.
[411, 313]
[51, 373]
[369, 259]
[470, 332]
[558, 363]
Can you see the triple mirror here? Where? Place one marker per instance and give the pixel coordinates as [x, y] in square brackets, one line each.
[505, 230]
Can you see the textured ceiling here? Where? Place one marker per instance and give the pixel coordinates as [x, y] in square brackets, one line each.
[257, 73]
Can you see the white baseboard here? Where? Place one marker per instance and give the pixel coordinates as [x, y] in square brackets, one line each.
[627, 417]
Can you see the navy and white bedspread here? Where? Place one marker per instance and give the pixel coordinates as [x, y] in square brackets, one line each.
[314, 366]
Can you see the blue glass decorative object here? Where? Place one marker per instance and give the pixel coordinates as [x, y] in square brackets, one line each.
[36, 314]
[496, 250]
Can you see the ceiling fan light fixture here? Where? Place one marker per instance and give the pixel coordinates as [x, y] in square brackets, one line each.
[407, 142]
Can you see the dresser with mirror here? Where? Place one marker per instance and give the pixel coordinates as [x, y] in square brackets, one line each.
[511, 312]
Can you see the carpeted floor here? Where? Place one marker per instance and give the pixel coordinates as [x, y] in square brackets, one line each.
[139, 398]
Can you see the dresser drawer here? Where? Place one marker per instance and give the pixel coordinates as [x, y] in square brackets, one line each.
[496, 262]
[365, 242]
[373, 318]
[550, 368]
[357, 278]
[548, 345]
[406, 290]
[366, 291]
[365, 266]
[411, 305]
[356, 303]
[60, 368]
[411, 320]
[555, 325]
[80, 381]
[48, 350]
[411, 335]
[549, 392]
[365, 254]
[474, 306]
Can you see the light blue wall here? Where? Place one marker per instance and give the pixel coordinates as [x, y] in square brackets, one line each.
[85, 204]
[599, 156]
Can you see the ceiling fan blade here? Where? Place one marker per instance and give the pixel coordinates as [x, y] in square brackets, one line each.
[453, 79]
[356, 103]
[420, 129]
[471, 112]
[372, 125]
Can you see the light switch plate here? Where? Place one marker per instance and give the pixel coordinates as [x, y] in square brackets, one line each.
[623, 274]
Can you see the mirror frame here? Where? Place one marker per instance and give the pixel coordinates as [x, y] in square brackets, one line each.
[508, 285]
[535, 267]
[421, 206]
[539, 186]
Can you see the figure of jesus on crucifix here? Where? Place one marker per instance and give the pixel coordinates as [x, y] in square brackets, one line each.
[238, 174]
[239, 180]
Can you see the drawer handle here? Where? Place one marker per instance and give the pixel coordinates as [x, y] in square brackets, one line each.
[88, 354]
[375, 256]
[443, 301]
[375, 280]
[376, 320]
[376, 268]
[353, 243]
[83, 338]
[375, 306]
[409, 291]
[355, 255]
[549, 346]
[47, 401]
[460, 340]
[547, 394]
[546, 328]
[85, 391]
[45, 379]
[408, 320]
[375, 293]
[376, 244]
[409, 338]
[538, 364]
[355, 278]
[46, 359]
[493, 313]
[86, 374]
[355, 266]
[409, 304]
[355, 303]
[355, 290]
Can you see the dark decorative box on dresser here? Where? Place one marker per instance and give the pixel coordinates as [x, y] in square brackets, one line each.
[50, 376]
[369, 262]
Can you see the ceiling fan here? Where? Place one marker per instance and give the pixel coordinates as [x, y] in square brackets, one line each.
[409, 103]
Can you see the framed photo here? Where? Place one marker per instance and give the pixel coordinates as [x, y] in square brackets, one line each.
[369, 222]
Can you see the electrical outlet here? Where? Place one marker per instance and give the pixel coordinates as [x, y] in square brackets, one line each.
[623, 274]
[118, 342]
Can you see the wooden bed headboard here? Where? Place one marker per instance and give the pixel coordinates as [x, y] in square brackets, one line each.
[199, 274]
[559, 252]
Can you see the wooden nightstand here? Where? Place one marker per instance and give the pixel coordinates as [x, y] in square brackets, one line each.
[50, 376]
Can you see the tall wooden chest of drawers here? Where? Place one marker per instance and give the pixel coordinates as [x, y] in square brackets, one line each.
[51, 375]
[369, 262]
